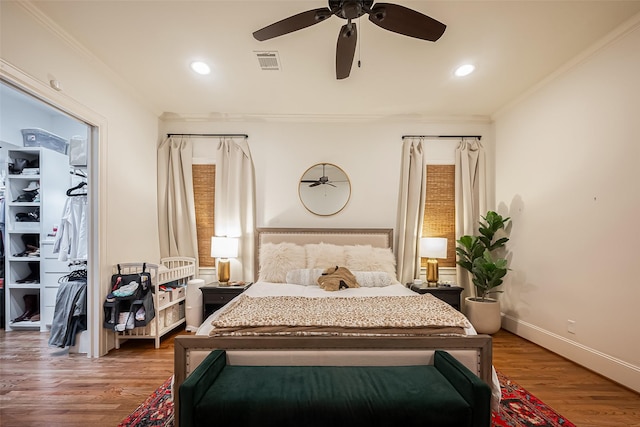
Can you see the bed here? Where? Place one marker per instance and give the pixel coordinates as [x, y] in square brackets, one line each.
[250, 328]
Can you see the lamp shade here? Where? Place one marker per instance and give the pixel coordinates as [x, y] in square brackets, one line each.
[224, 247]
[433, 247]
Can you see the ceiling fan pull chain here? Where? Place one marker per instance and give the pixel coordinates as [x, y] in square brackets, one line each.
[359, 47]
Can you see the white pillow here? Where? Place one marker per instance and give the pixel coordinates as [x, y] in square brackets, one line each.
[374, 279]
[304, 276]
[278, 258]
[368, 258]
[324, 255]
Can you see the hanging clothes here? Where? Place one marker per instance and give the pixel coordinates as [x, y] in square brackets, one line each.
[70, 313]
[71, 239]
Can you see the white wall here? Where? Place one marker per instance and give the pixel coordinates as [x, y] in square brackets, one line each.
[566, 172]
[369, 153]
[127, 193]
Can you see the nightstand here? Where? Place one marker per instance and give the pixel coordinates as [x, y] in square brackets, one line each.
[215, 296]
[448, 294]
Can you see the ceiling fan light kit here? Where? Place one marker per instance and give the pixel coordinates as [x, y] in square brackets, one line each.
[389, 16]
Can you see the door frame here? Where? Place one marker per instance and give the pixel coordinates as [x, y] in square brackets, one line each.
[96, 265]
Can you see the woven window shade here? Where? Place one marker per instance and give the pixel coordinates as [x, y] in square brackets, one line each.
[440, 210]
[204, 184]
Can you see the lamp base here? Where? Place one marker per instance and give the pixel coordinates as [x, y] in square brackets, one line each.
[223, 271]
[432, 272]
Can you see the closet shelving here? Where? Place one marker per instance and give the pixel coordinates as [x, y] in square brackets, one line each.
[169, 306]
[21, 294]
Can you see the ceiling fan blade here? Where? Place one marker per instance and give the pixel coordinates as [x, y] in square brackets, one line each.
[408, 22]
[345, 50]
[315, 184]
[309, 180]
[293, 23]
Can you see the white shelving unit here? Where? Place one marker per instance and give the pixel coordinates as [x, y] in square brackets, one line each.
[53, 180]
[169, 306]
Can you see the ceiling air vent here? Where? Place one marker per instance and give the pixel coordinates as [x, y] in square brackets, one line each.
[268, 60]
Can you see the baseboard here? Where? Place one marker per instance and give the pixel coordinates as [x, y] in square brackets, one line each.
[604, 364]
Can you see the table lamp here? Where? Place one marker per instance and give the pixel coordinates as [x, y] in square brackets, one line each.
[433, 248]
[223, 248]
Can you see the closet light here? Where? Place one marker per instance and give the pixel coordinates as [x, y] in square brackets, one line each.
[200, 67]
[464, 70]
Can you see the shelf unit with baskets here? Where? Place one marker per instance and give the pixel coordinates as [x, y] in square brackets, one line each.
[170, 305]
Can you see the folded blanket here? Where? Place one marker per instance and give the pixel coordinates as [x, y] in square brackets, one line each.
[372, 315]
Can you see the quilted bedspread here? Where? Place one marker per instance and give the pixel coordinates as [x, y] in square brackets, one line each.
[370, 315]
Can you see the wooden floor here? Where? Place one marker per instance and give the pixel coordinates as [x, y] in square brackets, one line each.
[42, 386]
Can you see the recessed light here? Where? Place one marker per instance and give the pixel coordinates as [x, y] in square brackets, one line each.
[464, 70]
[200, 67]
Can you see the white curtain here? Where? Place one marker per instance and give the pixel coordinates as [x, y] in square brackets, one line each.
[176, 207]
[235, 201]
[411, 208]
[471, 197]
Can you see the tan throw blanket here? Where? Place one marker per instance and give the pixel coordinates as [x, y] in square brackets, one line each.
[372, 315]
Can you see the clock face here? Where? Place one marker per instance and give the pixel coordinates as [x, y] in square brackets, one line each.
[324, 189]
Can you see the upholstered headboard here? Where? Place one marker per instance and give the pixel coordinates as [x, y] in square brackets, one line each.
[376, 237]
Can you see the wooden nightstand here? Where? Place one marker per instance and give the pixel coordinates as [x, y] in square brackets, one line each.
[215, 296]
[448, 294]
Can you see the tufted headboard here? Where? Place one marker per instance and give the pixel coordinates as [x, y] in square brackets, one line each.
[376, 237]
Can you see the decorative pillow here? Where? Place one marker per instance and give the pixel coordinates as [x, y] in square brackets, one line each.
[368, 258]
[278, 258]
[304, 276]
[324, 255]
[374, 279]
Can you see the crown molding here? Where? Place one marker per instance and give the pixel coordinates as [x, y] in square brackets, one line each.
[623, 29]
[48, 24]
[322, 118]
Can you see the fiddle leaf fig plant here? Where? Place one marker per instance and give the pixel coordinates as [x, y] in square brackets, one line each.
[475, 255]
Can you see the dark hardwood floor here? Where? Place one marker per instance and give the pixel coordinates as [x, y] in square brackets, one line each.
[42, 386]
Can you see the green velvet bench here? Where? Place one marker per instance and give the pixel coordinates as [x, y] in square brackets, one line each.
[445, 394]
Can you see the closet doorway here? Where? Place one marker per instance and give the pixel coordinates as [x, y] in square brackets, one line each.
[48, 241]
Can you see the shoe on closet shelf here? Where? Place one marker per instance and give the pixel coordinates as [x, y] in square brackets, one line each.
[34, 276]
[31, 278]
[30, 308]
[34, 254]
[28, 197]
[33, 186]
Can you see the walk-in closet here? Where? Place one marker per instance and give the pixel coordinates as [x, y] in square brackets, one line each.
[44, 226]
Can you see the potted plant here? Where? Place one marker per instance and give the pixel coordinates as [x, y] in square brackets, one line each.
[475, 254]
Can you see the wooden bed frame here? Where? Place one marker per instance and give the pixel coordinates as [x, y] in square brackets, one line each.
[189, 350]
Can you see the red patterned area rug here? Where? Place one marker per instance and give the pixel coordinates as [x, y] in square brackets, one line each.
[518, 408]
[156, 411]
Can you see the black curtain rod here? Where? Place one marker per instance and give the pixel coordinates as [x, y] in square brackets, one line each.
[213, 135]
[442, 136]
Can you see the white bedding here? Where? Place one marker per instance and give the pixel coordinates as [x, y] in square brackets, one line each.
[278, 289]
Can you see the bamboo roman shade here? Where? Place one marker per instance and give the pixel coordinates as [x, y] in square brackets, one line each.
[440, 209]
[204, 184]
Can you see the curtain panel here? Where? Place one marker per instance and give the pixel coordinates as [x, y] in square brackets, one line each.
[176, 207]
[235, 209]
[471, 197]
[413, 184]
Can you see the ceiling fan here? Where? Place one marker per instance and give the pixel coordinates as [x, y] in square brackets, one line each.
[391, 17]
[324, 179]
